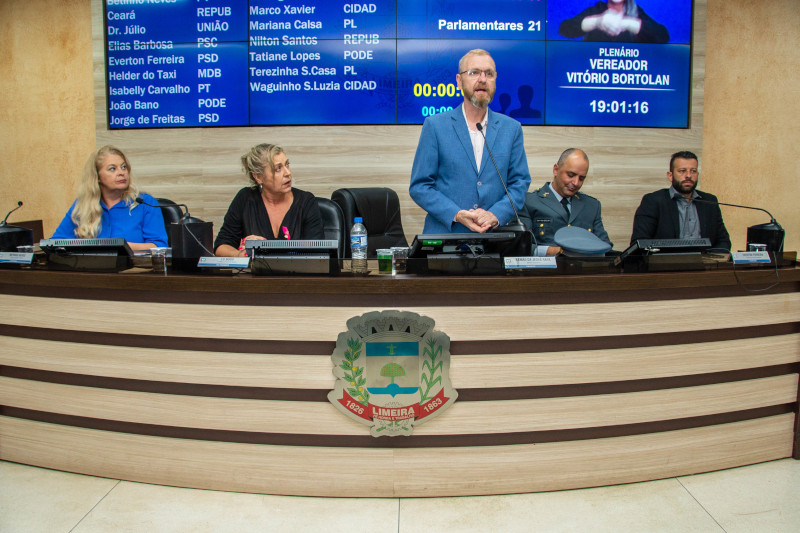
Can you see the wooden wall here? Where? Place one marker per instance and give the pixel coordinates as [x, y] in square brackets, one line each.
[752, 89]
[750, 145]
[200, 166]
[46, 105]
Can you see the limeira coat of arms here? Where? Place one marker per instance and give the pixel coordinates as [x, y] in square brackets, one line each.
[392, 372]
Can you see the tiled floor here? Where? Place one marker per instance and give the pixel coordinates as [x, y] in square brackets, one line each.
[758, 498]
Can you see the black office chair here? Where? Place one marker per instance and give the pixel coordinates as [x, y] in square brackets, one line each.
[333, 222]
[171, 212]
[380, 209]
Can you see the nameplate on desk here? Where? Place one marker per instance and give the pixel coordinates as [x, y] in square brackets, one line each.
[530, 262]
[19, 258]
[743, 258]
[224, 262]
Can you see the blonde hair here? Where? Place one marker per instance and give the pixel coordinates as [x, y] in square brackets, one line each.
[88, 213]
[474, 52]
[256, 160]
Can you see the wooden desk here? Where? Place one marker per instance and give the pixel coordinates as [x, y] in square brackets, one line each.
[564, 382]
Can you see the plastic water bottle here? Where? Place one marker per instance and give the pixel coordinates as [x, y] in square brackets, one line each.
[358, 247]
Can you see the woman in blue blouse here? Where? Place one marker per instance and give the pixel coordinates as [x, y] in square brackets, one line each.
[106, 206]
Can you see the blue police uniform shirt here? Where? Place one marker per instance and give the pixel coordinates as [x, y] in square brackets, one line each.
[143, 223]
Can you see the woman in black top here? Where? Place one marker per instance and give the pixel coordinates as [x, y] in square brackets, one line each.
[270, 208]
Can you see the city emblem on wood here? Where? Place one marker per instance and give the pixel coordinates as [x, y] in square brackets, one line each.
[392, 372]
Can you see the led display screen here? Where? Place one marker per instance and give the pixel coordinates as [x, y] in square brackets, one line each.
[199, 63]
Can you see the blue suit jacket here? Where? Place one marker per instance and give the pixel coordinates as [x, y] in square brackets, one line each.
[545, 215]
[445, 179]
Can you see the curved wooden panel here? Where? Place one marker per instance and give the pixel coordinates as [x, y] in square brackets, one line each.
[464, 418]
[394, 472]
[309, 372]
[592, 366]
[556, 466]
[97, 378]
[461, 323]
[175, 366]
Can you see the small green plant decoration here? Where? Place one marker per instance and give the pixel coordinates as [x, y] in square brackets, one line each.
[431, 370]
[353, 373]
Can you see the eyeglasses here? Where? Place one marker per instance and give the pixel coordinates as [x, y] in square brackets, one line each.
[476, 73]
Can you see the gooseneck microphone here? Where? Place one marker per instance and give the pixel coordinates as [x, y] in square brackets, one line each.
[19, 204]
[771, 218]
[520, 226]
[770, 234]
[13, 236]
[186, 218]
[182, 249]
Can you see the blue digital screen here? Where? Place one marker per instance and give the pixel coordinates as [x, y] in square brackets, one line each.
[205, 63]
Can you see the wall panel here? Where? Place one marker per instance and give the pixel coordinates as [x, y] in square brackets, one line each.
[201, 167]
[46, 105]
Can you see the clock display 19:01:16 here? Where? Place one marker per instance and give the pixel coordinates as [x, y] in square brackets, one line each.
[619, 106]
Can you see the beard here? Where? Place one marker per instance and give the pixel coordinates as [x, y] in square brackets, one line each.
[480, 103]
[684, 188]
[481, 100]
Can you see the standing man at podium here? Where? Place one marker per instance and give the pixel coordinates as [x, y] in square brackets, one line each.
[453, 178]
[673, 214]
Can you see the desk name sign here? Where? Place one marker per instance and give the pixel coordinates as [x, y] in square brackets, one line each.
[16, 258]
[392, 372]
[744, 258]
[512, 263]
[224, 262]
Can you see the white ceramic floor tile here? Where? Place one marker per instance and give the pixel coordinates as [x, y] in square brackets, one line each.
[136, 507]
[756, 498]
[37, 499]
[643, 507]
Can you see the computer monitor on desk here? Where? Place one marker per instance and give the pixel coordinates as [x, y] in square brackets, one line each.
[465, 253]
[281, 257]
[87, 255]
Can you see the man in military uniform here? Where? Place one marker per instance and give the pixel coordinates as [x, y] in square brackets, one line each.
[557, 204]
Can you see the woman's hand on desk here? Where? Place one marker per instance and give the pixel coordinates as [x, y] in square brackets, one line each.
[242, 251]
[138, 246]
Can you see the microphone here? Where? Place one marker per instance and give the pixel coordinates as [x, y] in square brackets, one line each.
[770, 233]
[184, 252]
[3, 223]
[13, 236]
[771, 218]
[185, 219]
[519, 226]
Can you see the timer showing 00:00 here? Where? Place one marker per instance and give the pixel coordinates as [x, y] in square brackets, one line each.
[619, 106]
[443, 90]
[428, 111]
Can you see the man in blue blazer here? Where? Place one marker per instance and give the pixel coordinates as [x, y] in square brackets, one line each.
[673, 214]
[558, 204]
[453, 178]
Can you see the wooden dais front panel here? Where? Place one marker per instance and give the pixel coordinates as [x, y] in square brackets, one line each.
[564, 382]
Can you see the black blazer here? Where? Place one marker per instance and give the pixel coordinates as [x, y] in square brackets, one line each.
[657, 218]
